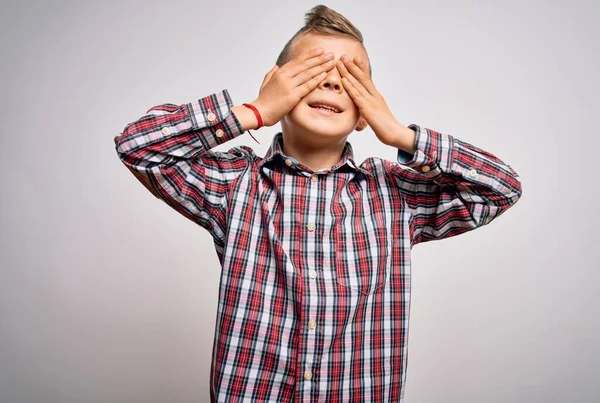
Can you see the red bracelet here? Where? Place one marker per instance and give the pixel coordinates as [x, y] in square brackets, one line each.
[258, 117]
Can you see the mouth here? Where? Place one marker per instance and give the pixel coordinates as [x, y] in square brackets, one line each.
[325, 108]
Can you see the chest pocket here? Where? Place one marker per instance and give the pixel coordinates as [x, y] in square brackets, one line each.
[361, 261]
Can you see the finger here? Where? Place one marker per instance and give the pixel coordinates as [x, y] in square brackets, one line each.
[357, 97]
[363, 65]
[269, 75]
[309, 85]
[306, 75]
[345, 73]
[299, 65]
[357, 73]
[303, 56]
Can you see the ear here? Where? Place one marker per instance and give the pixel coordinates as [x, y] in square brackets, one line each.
[362, 124]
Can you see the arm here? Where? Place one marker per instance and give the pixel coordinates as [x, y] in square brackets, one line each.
[169, 148]
[169, 151]
[452, 186]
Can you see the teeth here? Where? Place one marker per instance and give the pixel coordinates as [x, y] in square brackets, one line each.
[327, 107]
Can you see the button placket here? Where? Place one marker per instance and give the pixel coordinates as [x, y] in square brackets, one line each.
[311, 295]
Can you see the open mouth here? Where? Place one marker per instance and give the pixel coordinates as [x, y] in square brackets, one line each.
[329, 110]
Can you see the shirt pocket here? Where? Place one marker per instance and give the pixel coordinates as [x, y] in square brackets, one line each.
[361, 261]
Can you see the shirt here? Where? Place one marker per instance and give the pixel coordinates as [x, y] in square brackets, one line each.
[315, 287]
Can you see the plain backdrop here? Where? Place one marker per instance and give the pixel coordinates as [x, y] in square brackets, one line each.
[108, 295]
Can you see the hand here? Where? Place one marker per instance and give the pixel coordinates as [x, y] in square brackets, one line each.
[284, 87]
[371, 105]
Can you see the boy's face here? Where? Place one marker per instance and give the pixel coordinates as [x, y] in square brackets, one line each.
[304, 120]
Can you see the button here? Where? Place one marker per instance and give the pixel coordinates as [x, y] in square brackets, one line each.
[426, 168]
[314, 178]
[308, 375]
[312, 325]
[312, 274]
[220, 133]
[288, 162]
[165, 130]
[473, 173]
[211, 117]
[311, 226]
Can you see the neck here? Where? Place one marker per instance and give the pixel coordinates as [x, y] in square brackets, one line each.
[314, 155]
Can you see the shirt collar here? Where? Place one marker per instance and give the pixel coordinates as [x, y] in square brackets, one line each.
[275, 152]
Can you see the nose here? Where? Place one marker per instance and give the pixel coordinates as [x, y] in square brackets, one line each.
[333, 81]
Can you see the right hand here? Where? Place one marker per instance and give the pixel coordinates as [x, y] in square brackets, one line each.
[284, 87]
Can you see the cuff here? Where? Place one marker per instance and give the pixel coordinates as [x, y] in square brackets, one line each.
[213, 114]
[433, 152]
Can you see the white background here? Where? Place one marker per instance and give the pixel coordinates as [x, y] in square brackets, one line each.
[108, 295]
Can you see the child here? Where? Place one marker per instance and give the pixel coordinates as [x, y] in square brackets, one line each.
[315, 250]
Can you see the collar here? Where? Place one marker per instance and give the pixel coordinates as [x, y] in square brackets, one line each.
[275, 152]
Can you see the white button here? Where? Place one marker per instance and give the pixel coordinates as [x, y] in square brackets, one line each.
[314, 178]
[312, 325]
[165, 130]
[211, 117]
[426, 168]
[288, 162]
[311, 226]
[220, 133]
[308, 375]
[473, 173]
[312, 274]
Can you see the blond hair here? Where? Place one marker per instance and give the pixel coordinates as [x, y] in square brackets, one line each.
[323, 20]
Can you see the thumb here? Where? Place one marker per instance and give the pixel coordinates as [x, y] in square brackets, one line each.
[268, 76]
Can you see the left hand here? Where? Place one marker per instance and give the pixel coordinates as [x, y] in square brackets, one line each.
[371, 105]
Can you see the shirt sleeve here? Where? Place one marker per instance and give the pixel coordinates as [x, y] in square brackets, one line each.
[169, 151]
[452, 186]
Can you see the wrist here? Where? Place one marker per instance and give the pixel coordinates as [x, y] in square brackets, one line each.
[259, 120]
[246, 117]
[404, 138]
[262, 110]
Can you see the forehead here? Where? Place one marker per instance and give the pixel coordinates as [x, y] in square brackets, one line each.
[338, 45]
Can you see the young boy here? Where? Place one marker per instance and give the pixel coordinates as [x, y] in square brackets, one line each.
[315, 250]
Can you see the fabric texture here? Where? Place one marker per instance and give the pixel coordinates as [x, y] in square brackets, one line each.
[315, 289]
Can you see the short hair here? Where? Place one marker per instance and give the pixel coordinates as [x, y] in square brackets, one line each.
[323, 20]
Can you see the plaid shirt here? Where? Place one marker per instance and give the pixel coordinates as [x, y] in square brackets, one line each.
[314, 296]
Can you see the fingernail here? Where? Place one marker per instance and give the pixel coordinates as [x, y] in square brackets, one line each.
[319, 50]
